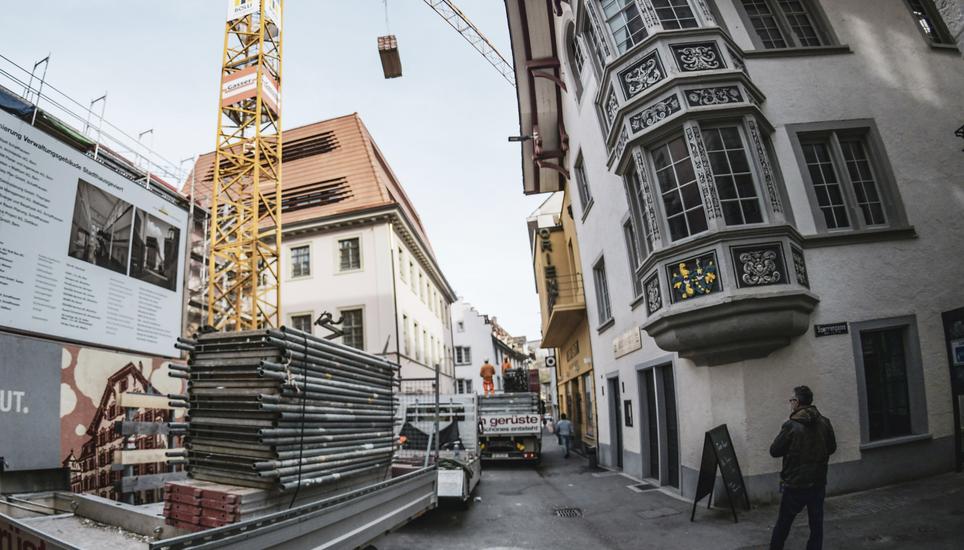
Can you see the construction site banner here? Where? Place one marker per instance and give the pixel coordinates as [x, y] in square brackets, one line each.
[85, 254]
[239, 8]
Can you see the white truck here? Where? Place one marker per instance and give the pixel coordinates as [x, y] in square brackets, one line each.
[510, 426]
[458, 460]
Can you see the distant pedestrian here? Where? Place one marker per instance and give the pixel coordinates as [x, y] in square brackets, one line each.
[564, 431]
[487, 372]
[805, 442]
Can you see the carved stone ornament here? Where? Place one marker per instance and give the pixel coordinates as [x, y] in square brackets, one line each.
[654, 298]
[775, 203]
[612, 106]
[737, 61]
[654, 113]
[701, 165]
[701, 97]
[759, 265]
[650, 209]
[621, 143]
[799, 267]
[703, 56]
[641, 75]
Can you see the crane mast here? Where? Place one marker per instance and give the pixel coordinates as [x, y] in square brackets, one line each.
[244, 283]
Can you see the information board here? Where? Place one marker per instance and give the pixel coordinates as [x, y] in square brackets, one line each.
[718, 451]
[85, 254]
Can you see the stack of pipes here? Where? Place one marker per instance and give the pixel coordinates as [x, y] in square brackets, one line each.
[282, 410]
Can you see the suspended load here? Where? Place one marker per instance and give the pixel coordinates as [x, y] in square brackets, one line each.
[388, 52]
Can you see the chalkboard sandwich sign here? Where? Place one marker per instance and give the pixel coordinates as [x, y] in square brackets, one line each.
[718, 451]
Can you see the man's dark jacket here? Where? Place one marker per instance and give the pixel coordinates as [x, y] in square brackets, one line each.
[805, 442]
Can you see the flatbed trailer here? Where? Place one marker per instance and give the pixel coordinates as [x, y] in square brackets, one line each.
[350, 520]
[510, 427]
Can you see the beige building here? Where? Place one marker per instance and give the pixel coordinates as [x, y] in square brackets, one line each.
[565, 327]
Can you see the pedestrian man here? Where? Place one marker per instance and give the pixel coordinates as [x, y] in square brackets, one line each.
[805, 442]
[487, 372]
[564, 431]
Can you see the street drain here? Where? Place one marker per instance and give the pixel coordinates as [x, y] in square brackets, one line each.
[568, 512]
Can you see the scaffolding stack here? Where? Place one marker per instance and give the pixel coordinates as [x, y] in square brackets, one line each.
[287, 413]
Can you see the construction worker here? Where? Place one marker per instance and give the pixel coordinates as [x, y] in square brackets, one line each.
[506, 365]
[487, 372]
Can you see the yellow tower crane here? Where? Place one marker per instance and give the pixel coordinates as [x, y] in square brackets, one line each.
[244, 290]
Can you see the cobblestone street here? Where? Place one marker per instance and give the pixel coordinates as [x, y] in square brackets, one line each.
[517, 507]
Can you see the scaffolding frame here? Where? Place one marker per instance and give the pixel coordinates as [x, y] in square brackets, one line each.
[244, 283]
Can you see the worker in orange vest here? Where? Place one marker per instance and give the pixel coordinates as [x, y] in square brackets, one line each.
[506, 365]
[487, 372]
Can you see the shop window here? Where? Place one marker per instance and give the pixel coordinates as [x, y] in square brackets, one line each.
[890, 379]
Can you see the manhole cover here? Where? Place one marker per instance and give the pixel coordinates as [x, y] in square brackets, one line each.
[568, 512]
[640, 487]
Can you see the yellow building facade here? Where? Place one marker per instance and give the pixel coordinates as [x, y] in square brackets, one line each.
[565, 326]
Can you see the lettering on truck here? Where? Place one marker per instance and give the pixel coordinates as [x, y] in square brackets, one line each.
[513, 423]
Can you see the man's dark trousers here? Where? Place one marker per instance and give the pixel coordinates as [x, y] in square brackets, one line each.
[793, 501]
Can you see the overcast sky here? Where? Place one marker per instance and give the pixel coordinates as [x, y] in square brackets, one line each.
[442, 126]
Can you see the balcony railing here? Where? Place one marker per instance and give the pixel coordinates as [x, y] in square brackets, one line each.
[565, 290]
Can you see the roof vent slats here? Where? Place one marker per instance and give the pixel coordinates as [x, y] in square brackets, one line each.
[315, 194]
[293, 150]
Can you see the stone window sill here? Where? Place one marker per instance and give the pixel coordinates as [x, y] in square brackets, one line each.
[636, 301]
[943, 47]
[903, 440]
[798, 52]
[603, 327]
[859, 237]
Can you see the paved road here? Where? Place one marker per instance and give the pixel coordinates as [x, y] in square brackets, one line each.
[517, 507]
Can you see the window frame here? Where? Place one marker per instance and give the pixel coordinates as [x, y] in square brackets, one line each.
[630, 41]
[819, 20]
[402, 266]
[291, 261]
[751, 164]
[341, 315]
[309, 314]
[406, 333]
[632, 251]
[577, 58]
[940, 27]
[659, 204]
[866, 131]
[601, 288]
[917, 400]
[672, 7]
[338, 253]
[582, 186]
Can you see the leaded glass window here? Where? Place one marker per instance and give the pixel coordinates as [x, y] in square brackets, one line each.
[826, 184]
[785, 23]
[864, 184]
[625, 24]
[732, 176]
[351, 325]
[678, 189]
[675, 14]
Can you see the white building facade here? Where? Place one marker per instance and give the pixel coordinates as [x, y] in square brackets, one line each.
[769, 195]
[476, 338]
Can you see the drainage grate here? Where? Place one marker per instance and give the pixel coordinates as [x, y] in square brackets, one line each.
[640, 487]
[568, 512]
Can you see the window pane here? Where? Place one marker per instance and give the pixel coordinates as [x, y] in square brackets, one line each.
[825, 184]
[674, 171]
[602, 291]
[352, 326]
[300, 261]
[582, 185]
[301, 322]
[885, 373]
[634, 194]
[624, 22]
[764, 23]
[349, 257]
[675, 14]
[731, 172]
[862, 178]
[634, 256]
[801, 23]
[924, 14]
[576, 55]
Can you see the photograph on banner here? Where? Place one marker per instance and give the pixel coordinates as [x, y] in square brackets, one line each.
[100, 231]
[154, 252]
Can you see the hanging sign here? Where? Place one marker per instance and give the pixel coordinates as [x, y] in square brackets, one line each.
[242, 85]
[240, 8]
